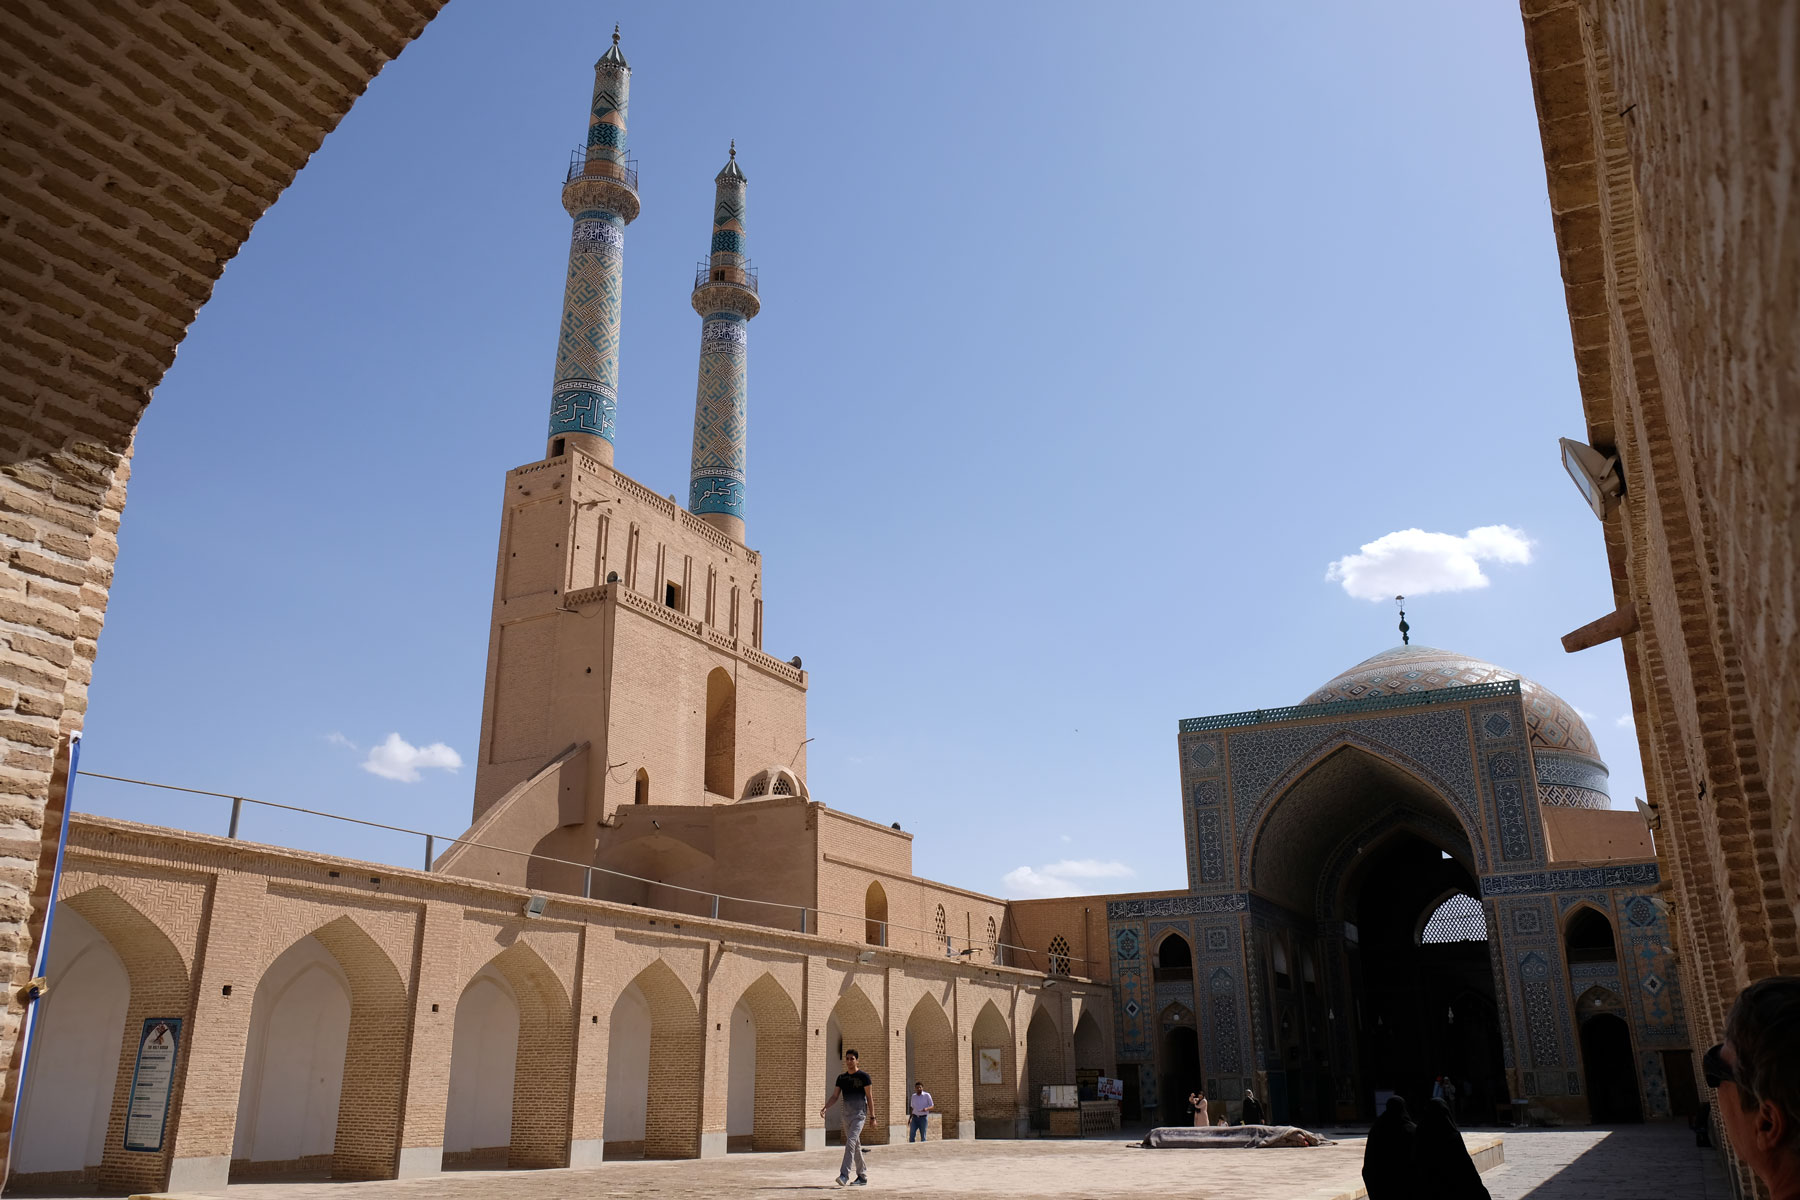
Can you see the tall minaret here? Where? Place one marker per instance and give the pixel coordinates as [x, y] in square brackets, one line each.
[725, 296]
[601, 194]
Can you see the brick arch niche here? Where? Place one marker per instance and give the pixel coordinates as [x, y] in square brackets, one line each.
[511, 1066]
[931, 1060]
[324, 1065]
[128, 190]
[766, 1088]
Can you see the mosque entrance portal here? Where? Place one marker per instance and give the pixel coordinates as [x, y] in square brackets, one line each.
[1372, 946]
[1420, 971]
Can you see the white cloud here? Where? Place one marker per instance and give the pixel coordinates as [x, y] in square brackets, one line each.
[398, 759]
[1411, 562]
[1067, 838]
[338, 739]
[1626, 721]
[1070, 877]
[1585, 715]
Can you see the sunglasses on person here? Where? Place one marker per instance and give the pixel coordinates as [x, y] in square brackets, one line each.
[1715, 1068]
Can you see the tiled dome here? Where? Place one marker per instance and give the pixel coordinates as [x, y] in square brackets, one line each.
[1555, 725]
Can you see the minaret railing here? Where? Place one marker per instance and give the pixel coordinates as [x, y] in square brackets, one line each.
[581, 166]
[706, 274]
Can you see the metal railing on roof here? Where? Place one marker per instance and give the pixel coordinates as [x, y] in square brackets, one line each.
[1055, 964]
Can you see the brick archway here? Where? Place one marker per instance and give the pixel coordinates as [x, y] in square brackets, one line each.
[128, 190]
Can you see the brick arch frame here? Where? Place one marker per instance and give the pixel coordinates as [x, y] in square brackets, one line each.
[934, 1060]
[677, 1053]
[995, 1106]
[367, 1144]
[780, 1064]
[860, 1025]
[161, 986]
[544, 1078]
[132, 186]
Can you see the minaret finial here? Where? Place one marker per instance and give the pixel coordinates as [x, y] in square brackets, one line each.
[734, 149]
[1405, 629]
[615, 33]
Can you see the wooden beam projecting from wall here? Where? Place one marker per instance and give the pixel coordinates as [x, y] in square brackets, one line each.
[1615, 624]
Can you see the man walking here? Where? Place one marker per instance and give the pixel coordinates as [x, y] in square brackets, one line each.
[921, 1103]
[852, 1089]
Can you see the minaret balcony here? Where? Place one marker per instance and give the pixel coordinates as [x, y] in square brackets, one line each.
[583, 167]
[708, 274]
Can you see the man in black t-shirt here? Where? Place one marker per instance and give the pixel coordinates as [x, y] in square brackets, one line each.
[852, 1088]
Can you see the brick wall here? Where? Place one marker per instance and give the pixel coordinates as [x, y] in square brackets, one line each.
[197, 921]
[1669, 148]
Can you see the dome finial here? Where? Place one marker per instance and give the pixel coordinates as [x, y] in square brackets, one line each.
[1405, 629]
[615, 33]
[733, 149]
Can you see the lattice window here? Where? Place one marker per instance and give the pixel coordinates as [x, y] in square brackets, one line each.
[1059, 955]
[993, 942]
[783, 786]
[942, 933]
[1457, 919]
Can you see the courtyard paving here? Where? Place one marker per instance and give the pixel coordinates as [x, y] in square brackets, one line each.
[1645, 1162]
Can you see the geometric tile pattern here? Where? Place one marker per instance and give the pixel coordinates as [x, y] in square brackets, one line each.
[721, 402]
[584, 397]
[720, 417]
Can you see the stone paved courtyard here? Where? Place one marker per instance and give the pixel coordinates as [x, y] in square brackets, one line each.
[1649, 1162]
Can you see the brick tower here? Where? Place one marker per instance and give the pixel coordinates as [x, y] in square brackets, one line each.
[726, 299]
[600, 193]
[625, 663]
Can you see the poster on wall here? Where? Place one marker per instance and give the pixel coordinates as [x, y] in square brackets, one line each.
[151, 1082]
[991, 1065]
[1111, 1089]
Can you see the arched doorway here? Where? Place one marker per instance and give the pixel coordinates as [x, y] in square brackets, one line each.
[484, 1049]
[653, 1115]
[1611, 1072]
[510, 1044]
[765, 1094]
[1362, 853]
[721, 734]
[68, 1097]
[931, 1060]
[288, 1100]
[1180, 1074]
[1044, 1064]
[1090, 1045]
[855, 1024]
[993, 1081]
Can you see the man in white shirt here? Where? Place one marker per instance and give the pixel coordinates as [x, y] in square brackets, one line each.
[920, 1103]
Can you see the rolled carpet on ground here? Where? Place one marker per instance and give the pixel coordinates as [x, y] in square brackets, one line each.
[1246, 1137]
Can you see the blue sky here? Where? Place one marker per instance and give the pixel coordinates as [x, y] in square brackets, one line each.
[1091, 337]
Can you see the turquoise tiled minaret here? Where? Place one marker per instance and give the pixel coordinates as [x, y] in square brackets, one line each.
[725, 297]
[600, 193]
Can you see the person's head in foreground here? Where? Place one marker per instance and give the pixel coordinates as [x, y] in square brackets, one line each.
[1756, 1071]
[918, 1087]
[850, 1060]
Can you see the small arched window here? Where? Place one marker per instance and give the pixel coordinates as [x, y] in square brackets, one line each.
[640, 788]
[1309, 971]
[1174, 960]
[1589, 937]
[993, 942]
[1059, 955]
[875, 916]
[1282, 978]
[941, 931]
[1458, 919]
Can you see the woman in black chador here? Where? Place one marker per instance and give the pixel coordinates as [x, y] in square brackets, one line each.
[1390, 1168]
[1445, 1167]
